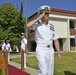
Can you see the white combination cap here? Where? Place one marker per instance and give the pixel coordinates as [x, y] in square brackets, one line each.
[44, 8]
[7, 41]
[3, 41]
[23, 34]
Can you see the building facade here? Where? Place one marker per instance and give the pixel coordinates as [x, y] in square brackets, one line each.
[64, 22]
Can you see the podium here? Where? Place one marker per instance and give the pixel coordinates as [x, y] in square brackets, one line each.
[3, 63]
[22, 60]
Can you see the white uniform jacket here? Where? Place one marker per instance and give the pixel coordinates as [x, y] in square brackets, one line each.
[44, 34]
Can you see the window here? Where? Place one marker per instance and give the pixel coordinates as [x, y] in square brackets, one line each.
[72, 42]
[71, 24]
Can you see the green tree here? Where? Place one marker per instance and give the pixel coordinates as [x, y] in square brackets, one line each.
[11, 22]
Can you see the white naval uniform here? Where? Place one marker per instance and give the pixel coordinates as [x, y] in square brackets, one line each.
[44, 35]
[3, 46]
[23, 43]
[7, 46]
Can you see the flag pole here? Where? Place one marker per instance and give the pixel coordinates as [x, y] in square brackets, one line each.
[26, 30]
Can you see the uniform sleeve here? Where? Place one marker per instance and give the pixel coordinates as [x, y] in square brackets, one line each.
[55, 36]
[9, 45]
[3, 46]
[25, 41]
[35, 26]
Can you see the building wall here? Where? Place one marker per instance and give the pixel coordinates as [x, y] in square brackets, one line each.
[60, 26]
[66, 43]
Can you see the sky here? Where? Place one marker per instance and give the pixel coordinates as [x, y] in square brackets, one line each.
[33, 5]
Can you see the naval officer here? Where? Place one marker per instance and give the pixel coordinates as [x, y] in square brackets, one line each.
[7, 48]
[44, 37]
[3, 46]
[23, 51]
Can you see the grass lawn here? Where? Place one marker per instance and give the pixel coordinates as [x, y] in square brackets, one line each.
[65, 66]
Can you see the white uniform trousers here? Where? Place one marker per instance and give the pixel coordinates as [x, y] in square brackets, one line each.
[25, 54]
[45, 57]
[8, 56]
[25, 60]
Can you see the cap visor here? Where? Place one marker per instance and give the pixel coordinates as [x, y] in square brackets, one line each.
[45, 11]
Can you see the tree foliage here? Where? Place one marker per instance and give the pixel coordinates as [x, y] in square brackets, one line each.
[11, 22]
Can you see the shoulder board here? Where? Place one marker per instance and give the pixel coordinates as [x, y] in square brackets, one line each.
[38, 22]
[52, 27]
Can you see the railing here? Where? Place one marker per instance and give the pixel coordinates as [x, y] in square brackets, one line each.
[72, 31]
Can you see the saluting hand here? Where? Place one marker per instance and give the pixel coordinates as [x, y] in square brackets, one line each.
[41, 15]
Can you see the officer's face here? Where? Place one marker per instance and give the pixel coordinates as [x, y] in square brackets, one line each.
[46, 13]
[2, 42]
[22, 36]
[46, 16]
[6, 42]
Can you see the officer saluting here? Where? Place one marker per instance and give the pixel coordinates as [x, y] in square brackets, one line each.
[44, 37]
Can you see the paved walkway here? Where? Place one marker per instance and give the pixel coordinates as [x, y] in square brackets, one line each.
[29, 70]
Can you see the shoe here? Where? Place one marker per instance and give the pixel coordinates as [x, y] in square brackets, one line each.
[22, 68]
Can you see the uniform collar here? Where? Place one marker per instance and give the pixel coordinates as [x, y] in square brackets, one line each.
[46, 25]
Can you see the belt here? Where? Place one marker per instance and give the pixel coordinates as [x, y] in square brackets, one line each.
[48, 46]
[45, 45]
